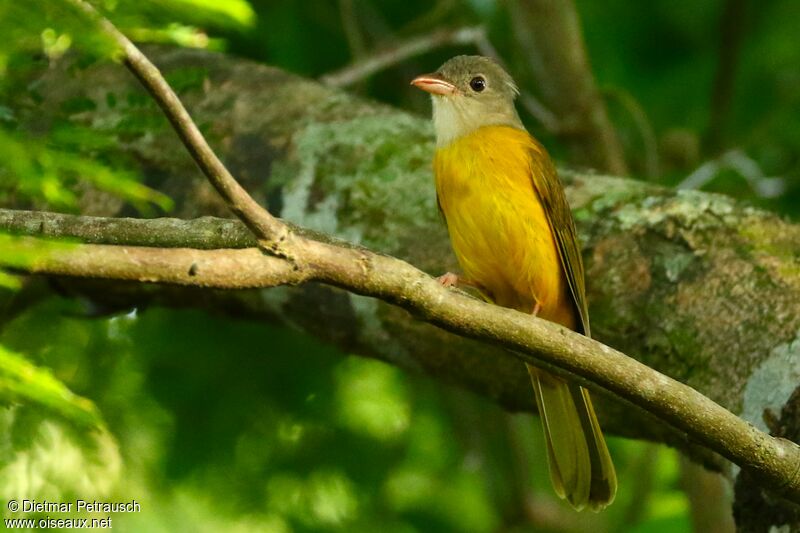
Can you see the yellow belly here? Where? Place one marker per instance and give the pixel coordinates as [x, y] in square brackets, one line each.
[498, 227]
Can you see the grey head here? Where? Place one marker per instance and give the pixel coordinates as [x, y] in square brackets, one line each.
[469, 92]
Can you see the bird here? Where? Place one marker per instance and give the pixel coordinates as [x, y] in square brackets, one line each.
[512, 231]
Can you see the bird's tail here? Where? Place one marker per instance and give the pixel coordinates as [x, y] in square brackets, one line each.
[580, 465]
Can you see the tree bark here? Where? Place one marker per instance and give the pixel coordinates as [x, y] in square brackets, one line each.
[692, 284]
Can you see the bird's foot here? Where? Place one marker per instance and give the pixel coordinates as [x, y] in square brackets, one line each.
[454, 280]
[449, 280]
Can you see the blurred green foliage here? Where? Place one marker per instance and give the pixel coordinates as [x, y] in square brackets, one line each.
[49, 169]
[22, 382]
[213, 424]
[280, 434]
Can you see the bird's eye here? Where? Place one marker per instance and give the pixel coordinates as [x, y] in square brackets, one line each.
[477, 83]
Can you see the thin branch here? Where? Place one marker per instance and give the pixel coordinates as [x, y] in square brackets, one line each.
[637, 113]
[475, 36]
[205, 233]
[441, 10]
[540, 112]
[265, 226]
[218, 269]
[397, 54]
[775, 461]
[355, 40]
[742, 164]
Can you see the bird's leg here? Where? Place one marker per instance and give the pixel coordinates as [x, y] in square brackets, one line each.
[448, 279]
[536, 308]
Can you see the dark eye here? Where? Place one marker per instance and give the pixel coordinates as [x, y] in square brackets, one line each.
[477, 83]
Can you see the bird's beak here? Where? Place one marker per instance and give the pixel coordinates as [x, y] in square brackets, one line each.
[434, 84]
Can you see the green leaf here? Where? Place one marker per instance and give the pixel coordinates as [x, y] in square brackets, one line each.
[38, 170]
[176, 34]
[23, 382]
[7, 281]
[236, 10]
[48, 26]
[231, 15]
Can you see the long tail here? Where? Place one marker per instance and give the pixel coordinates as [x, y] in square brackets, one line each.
[580, 465]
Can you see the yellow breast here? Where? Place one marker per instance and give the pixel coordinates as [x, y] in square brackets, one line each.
[498, 227]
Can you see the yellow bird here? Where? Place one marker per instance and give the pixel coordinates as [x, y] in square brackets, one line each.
[513, 234]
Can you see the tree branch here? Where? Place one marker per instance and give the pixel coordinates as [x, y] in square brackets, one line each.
[369, 65]
[476, 36]
[212, 269]
[652, 163]
[264, 225]
[205, 233]
[774, 461]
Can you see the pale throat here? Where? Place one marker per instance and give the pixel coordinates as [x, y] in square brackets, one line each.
[455, 117]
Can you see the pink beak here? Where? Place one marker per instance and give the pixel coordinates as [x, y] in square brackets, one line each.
[434, 84]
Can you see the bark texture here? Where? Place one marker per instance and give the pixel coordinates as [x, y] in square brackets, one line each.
[694, 285]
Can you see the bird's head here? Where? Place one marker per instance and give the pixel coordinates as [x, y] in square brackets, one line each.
[469, 92]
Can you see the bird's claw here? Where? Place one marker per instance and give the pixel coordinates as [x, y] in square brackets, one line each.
[448, 280]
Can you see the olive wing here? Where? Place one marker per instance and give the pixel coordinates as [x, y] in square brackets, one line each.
[551, 194]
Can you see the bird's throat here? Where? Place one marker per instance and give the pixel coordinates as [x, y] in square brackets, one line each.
[457, 116]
